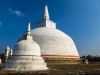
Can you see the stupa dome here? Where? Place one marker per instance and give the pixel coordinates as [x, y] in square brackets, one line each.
[26, 47]
[54, 42]
[26, 55]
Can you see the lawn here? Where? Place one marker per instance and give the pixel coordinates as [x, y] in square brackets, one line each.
[62, 69]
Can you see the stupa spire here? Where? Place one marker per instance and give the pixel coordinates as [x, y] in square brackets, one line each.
[28, 35]
[28, 28]
[46, 13]
[46, 22]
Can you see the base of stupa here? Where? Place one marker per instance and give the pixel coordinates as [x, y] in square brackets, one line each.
[62, 60]
[24, 63]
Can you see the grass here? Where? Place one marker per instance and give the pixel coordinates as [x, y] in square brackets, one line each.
[62, 69]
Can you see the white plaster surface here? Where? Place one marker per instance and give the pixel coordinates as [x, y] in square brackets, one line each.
[7, 50]
[25, 63]
[26, 47]
[10, 52]
[26, 55]
[54, 42]
[46, 13]
[46, 23]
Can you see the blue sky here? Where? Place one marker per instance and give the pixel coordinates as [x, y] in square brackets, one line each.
[80, 19]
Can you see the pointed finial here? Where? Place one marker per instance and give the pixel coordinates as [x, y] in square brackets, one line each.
[28, 28]
[46, 13]
[28, 35]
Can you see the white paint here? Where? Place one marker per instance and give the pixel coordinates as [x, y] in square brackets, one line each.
[54, 42]
[26, 47]
[51, 40]
[46, 22]
[28, 29]
[10, 52]
[7, 50]
[26, 55]
[24, 63]
[46, 13]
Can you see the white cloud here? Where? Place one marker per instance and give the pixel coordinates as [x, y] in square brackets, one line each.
[0, 23]
[17, 12]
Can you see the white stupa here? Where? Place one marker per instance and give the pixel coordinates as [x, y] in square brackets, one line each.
[26, 55]
[6, 53]
[53, 42]
[10, 52]
[7, 50]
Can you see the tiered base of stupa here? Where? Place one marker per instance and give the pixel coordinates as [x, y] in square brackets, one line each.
[25, 63]
[61, 59]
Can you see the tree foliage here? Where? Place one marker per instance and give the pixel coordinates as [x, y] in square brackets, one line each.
[91, 58]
